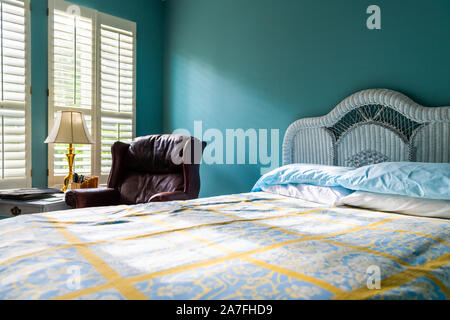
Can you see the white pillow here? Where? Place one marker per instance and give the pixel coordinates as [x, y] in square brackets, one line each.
[330, 196]
[399, 204]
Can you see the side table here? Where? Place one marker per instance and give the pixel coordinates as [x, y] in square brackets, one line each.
[14, 208]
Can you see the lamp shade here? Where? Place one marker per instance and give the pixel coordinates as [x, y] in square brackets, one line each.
[70, 128]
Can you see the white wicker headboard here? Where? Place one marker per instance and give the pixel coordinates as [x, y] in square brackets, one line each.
[371, 126]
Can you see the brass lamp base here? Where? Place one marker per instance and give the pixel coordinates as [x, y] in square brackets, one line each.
[70, 159]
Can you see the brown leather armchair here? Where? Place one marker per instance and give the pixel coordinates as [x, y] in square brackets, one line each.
[145, 171]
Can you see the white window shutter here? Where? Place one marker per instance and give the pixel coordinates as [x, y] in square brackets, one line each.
[117, 85]
[71, 79]
[15, 129]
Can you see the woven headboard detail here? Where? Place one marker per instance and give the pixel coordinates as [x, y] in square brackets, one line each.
[371, 126]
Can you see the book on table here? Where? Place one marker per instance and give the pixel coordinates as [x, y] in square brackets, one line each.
[28, 194]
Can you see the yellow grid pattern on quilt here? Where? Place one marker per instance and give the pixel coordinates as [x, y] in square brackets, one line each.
[248, 246]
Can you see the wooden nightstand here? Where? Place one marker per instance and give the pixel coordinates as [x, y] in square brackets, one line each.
[14, 208]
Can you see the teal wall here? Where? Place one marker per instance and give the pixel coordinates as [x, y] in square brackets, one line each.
[265, 63]
[149, 17]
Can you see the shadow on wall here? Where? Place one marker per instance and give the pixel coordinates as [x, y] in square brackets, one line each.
[198, 88]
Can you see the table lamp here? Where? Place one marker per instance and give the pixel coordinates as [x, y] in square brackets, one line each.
[70, 128]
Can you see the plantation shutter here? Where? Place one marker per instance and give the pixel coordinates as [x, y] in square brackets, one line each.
[92, 70]
[15, 132]
[72, 82]
[116, 85]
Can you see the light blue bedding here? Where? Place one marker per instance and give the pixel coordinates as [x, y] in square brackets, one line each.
[318, 175]
[413, 179]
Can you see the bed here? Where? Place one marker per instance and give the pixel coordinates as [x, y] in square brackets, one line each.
[256, 245]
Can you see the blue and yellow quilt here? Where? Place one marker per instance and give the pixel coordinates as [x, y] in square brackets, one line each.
[247, 246]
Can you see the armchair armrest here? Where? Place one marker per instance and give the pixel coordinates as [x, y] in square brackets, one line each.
[171, 196]
[85, 198]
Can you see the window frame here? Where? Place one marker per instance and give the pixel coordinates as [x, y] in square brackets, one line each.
[98, 18]
[25, 182]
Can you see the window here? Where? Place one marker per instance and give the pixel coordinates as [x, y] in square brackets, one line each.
[71, 81]
[92, 70]
[117, 94]
[15, 128]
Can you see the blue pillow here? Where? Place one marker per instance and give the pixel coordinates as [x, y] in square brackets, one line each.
[318, 175]
[413, 179]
